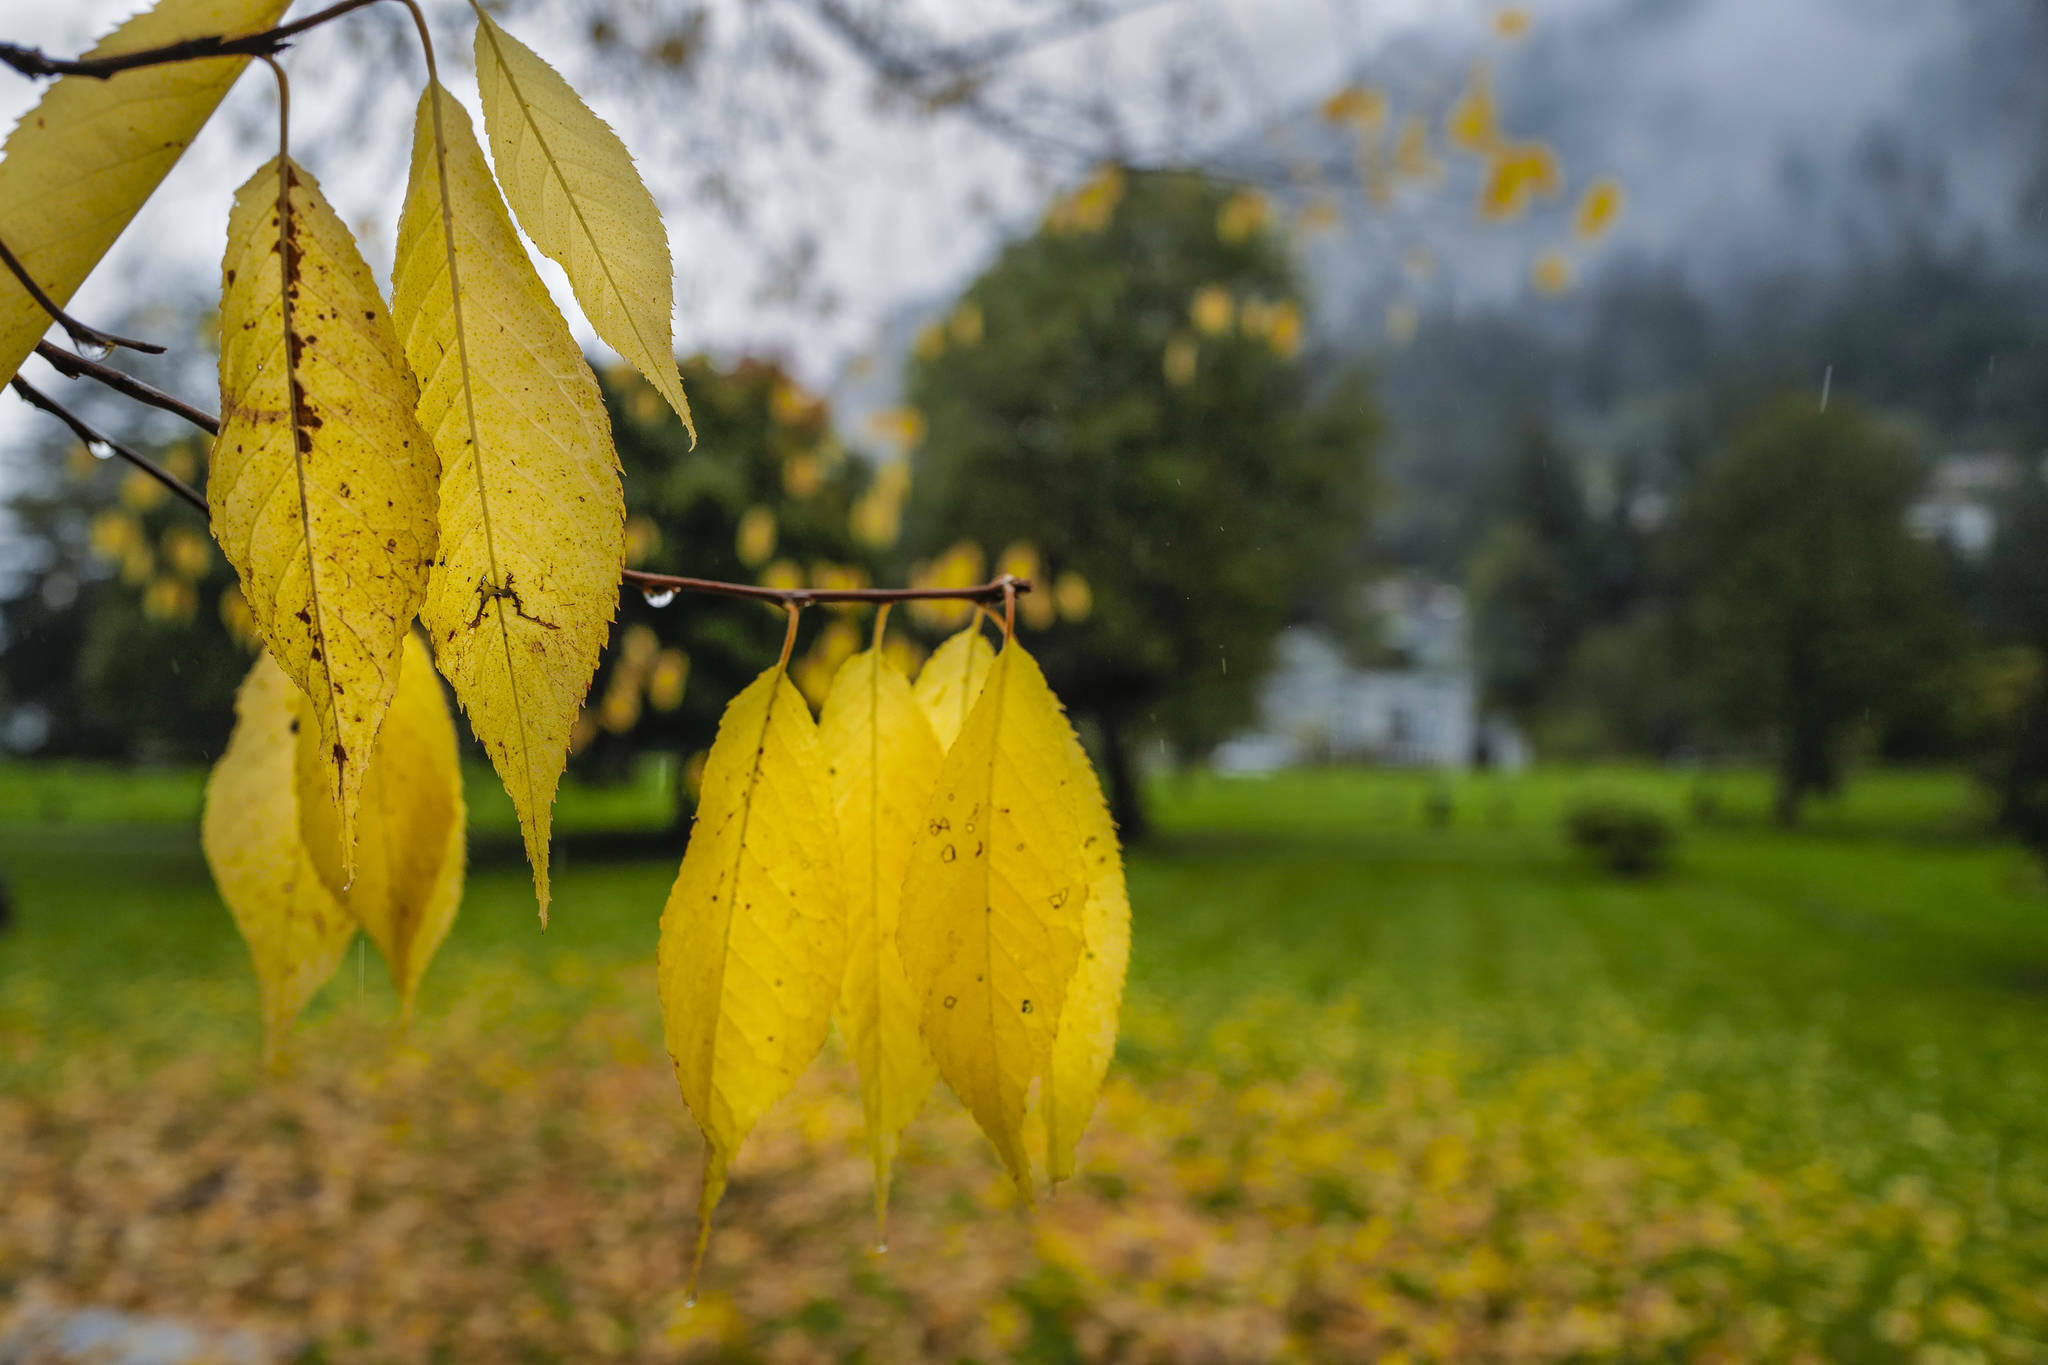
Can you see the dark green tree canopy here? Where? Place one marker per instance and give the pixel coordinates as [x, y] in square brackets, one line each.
[1813, 608]
[1138, 406]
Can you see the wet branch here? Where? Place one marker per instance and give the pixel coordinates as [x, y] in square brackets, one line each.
[128, 386]
[33, 62]
[996, 590]
[36, 398]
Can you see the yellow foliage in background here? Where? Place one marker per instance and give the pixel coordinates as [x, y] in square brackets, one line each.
[1212, 309]
[1089, 207]
[1243, 214]
[960, 566]
[754, 540]
[1516, 175]
[1599, 206]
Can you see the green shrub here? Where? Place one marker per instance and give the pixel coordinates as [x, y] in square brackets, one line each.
[1626, 837]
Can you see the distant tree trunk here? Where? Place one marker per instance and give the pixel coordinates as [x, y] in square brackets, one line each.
[1126, 801]
[1802, 757]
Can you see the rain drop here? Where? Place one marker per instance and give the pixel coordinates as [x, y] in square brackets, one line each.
[658, 597]
[690, 1302]
[101, 449]
[92, 349]
[881, 1248]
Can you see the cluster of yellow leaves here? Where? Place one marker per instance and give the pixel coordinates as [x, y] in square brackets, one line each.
[933, 864]
[273, 837]
[445, 458]
[446, 461]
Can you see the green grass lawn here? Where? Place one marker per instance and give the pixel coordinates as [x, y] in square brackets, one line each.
[1891, 946]
[1865, 997]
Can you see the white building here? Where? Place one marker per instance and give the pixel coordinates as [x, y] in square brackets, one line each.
[1317, 706]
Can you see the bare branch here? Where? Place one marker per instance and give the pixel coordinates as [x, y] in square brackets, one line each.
[35, 398]
[80, 334]
[78, 367]
[34, 62]
[995, 590]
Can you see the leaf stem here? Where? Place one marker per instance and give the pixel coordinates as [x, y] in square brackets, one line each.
[796, 611]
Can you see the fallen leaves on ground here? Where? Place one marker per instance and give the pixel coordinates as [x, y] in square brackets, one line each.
[490, 1189]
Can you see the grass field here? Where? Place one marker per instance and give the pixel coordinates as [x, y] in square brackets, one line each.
[1389, 1090]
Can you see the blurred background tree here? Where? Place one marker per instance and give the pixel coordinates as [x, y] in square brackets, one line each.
[1813, 609]
[127, 635]
[1138, 404]
[769, 494]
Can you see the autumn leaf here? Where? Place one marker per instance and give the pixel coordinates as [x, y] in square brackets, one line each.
[82, 162]
[322, 482]
[520, 600]
[753, 938]
[295, 929]
[410, 853]
[1598, 208]
[951, 680]
[573, 184]
[991, 923]
[883, 758]
[1088, 1024]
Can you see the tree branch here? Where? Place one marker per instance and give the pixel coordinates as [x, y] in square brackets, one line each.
[78, 367]
[994, 590]
[34, 62]
[80, 334]
[35, 398]
[649, 583]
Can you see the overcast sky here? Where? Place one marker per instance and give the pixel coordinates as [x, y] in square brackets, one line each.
[1691, 101]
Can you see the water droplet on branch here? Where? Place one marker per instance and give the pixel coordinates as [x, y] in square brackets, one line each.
[658, 597]
[92, 349]
[101, 449]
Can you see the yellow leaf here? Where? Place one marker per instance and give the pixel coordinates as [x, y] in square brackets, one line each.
[573, 184]
[1212, 309]
[410, 854]
[322, 483]
[1551, 272]
[1470, 124]
[295, 929]
[753, 938]
[883, 758]
[754, 540]
[82, 162]
[1087, 1031]
[520, 601]
[1073, 596]
[950, 682]
[991, 922]
[1515, 175]
[1598, 207]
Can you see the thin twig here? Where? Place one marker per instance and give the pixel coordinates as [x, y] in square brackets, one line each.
[38, 399]
[991, 591]
[78, 367]
[269, 42]
[80, 333]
